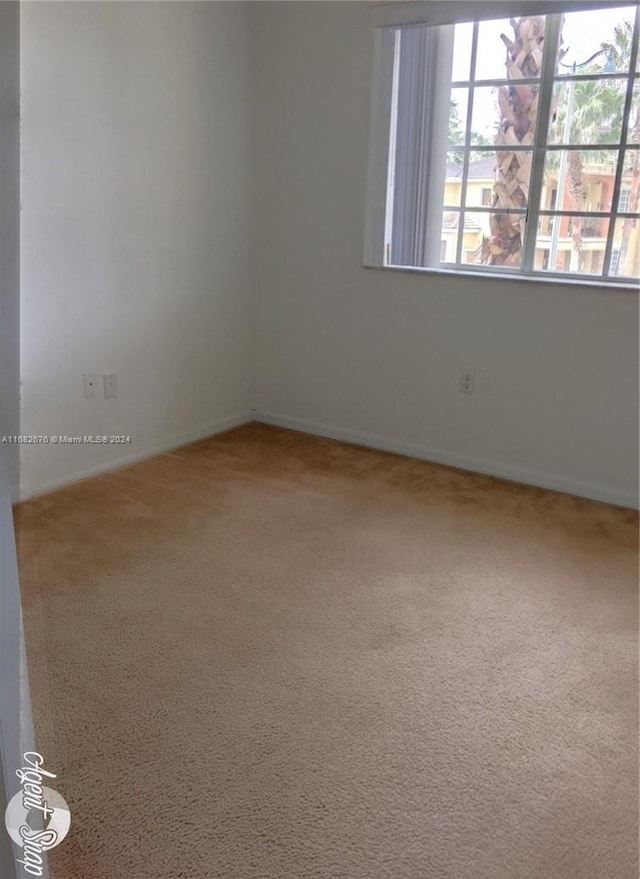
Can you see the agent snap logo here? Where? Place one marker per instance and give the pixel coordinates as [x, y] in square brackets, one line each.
[37, 817]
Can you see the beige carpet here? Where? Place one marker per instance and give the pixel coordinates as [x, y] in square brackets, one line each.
[269, 656]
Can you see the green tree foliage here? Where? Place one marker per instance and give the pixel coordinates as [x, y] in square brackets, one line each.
[596, 118]
[456, 136]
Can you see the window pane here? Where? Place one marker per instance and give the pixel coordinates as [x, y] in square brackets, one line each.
[507, 51]
[633, 134]
[587, 112]
[493, 239]
[449, 237]
[481, 175]
[513, 171]
[582, 180]
[486, 115]
[571, 244]
[504, 115]
[584, 34]
[629, 198]
[461, 68]
[625, 256]
[495, 178]
[458, 103]
[453, 179]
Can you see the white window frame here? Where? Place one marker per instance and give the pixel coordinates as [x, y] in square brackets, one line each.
[624, 198]
[390, 23]
[615, 256]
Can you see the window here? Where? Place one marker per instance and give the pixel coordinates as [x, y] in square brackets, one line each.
[515, 140]
[615, 257]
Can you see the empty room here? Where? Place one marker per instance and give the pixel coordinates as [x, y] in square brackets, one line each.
[319, 403]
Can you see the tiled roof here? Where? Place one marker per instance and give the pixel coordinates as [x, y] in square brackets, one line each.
[483, 169]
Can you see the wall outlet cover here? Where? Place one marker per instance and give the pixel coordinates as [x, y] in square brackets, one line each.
[110, 385]
[90, 385]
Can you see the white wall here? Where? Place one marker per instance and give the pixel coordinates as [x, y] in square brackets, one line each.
[10, 231]
[376, 355]
[135, 226]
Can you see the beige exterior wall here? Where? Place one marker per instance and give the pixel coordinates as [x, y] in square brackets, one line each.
[592, 252]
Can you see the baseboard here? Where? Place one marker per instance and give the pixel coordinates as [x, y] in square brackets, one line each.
[463, 462]
[170, 443]
[413, 450]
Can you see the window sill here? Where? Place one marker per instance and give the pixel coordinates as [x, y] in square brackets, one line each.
[627, 285]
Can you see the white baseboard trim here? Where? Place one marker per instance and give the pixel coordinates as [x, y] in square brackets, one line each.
[463, 462]
[170, 443]
[453, 459]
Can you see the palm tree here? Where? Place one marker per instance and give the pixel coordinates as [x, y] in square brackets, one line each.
[518, 110]
[596, 118]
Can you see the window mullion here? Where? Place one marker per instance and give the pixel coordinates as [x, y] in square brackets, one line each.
[467, 144]
[624, 133]
[545, 96]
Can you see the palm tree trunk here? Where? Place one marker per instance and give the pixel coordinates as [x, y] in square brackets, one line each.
[518, 111]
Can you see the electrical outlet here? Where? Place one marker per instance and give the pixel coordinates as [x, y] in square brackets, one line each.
[468, 382]
[90, 385]
[110, 386]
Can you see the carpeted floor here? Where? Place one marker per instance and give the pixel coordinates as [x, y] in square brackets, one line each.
[270, 656]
